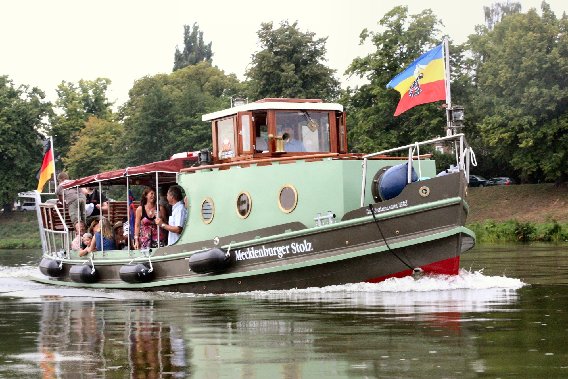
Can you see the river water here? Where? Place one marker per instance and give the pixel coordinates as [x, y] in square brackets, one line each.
[505, 315]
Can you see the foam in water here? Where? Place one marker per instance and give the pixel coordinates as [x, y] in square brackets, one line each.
[469, 289]
[464, 280]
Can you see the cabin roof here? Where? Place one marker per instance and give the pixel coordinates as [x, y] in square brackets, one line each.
[276, 104]
[140, 175]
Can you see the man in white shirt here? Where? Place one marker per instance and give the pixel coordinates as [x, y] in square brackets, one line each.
[176, 221]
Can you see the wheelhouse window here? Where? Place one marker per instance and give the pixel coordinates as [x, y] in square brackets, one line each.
[226, 141]
[304, 131]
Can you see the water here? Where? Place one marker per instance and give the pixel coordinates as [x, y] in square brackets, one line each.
[505, 315]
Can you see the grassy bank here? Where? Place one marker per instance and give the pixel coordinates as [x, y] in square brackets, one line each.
[520, 213]
[19, 230]
[515, 231]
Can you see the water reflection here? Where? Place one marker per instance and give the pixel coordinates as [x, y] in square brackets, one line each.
[93, 338]
[467, 326]
[257, 335]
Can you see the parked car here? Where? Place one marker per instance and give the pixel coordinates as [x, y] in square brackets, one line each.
[28, 206]
[500, 181]
[477, 181]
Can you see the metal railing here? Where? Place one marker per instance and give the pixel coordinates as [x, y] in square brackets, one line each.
[464, 155]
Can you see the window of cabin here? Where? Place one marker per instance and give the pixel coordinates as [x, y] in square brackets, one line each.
[304, 131]
[226, 141]
[245, 132]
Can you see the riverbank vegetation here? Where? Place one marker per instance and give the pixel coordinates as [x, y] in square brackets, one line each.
[19, 230]
[515, 231]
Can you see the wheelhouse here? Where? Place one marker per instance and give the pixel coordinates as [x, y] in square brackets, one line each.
[272, 127]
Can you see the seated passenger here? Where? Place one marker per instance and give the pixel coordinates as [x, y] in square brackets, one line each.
[80, 229]
[95, 204]
[292, 145]
[103, 238]
[176, 221]
[120, 240]
[261, 144]
[86, 240]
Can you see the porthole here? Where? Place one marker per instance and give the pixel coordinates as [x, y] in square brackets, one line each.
[207, 210]
[288, 198]
[244, 204]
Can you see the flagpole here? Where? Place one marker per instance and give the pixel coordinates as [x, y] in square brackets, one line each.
[53, 161]
[448, 91]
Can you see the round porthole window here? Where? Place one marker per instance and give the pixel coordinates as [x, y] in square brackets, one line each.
[288, 198]
[244, 204]
[207, 210]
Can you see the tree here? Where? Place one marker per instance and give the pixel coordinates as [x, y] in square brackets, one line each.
[97, 148]
[290, 64]
[522, 76]
[75, 104]
[495, 13]
[195, 50]
[371, 106]
[163, 114]
[22, 111]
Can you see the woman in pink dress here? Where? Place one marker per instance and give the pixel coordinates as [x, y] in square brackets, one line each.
[145, 228]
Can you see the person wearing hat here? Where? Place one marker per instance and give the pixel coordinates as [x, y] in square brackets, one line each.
[120, 240]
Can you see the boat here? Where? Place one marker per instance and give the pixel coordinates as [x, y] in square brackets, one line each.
[279, 203]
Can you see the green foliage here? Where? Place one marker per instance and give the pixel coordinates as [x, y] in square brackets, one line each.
[515, 231]
[19, 230]
[402, 39]
[163, 114]
[521, 73]
[524, 231]
[21, 113]
[97, 148]
[290, 64]
[75, 104]
[496, 12]
[195, 50]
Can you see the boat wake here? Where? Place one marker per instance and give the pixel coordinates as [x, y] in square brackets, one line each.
[17, 282]
[469, 291]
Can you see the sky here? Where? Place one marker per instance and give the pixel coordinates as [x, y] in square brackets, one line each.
[45, 42]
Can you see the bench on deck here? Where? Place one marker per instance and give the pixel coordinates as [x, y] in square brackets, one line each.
[52, 220]
[118, 211]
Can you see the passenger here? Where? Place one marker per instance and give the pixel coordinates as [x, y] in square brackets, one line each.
[120, 240]
[103, 238]
[292, 145]
[164, 201]
[80, 229]
[92, 226]
[145, 229]
[261, 141]
[86, 240]
[176, 221]
[74, 199]
[97, 204]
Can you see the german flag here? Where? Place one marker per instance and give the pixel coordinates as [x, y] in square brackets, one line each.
[47, 168]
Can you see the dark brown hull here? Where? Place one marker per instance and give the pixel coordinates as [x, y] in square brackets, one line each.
[411, 233]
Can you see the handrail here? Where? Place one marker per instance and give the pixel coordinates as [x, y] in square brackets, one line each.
[463, 156]
[262, 160]
[47, 229]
